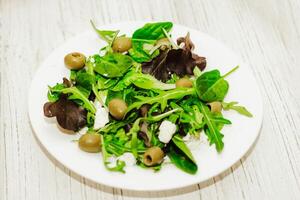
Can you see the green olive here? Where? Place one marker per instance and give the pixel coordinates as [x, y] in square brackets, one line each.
[153, 156]
[121, 44]
[90, 142]
[75, 60]
[117, 108]
[184, 82]
[215, 106]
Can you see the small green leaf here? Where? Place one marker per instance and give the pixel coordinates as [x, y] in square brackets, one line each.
[181, 161]
[182, 146]
[211, 86]
[144, 39]
[212, 131]
[162, 98]
[240, 109]
[152, 31]
[75, 93]
[107, 35]
[54, 92]
[112, 64]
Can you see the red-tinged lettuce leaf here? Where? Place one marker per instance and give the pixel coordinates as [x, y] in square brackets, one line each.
[69, 115]
[179, 61]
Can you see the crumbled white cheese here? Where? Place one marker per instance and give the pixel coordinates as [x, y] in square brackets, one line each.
[83, 130]
[92, 60]
[166, 131]
[128, 158]
[101, 116]
[193, 142]
[111, 161]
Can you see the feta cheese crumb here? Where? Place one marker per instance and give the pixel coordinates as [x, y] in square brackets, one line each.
[128, 158]
[112, 161]
[193, 142]
[166, 131]
[83, 130]
[101, 116]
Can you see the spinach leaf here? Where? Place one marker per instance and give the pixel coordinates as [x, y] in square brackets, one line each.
[144, 39]
[112, 64]
[182, 146]
[181, 160]
[152, 31]
[107, 35]
[211, 129]
[240, 109]
[141, 54]
[211, 86]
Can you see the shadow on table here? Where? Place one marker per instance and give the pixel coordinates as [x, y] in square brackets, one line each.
[149, 194]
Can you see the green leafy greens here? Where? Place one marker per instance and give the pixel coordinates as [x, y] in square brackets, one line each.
[144, 77]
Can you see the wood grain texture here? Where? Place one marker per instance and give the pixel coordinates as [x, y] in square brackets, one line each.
[266, 34]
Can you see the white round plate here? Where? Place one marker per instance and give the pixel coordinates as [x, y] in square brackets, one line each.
[238, 137]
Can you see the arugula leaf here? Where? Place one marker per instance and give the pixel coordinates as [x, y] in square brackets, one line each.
[55, 91]
[77, 94]
[144, 81]
[240, 109]
[104, 84]
[107, 35]
[112, 64]
[113, 95]
[162, 98]
[181, 160]
[211, 86]
[134, 140]
[211, 129]
[160, 117]
[119, 164]
[147, 81]
[192, 118]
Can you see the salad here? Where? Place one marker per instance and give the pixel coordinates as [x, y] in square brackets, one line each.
[140, 99]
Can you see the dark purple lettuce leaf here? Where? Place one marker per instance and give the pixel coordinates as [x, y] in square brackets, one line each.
[179, 61]
[69, 115]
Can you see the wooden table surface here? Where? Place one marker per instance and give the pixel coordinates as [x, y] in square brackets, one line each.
[265, 33]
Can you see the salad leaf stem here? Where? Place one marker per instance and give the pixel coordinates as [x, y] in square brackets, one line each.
[174, 45]
[231, 71]
[240, 109]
